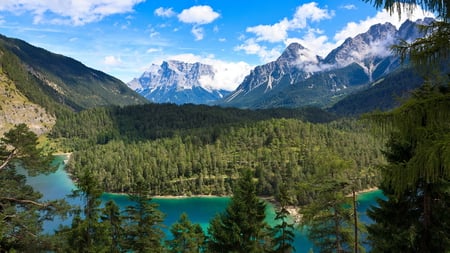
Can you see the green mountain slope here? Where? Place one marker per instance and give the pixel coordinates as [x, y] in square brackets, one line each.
[383, 94]
[320, 89]
[56, 81]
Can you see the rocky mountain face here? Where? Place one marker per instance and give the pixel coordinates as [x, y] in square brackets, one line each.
[15, 108]
[178, 82]
[299, 78]
[368, 50]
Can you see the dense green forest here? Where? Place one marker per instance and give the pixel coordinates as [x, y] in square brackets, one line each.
[191, 149]
[278, 150]
[152, 121]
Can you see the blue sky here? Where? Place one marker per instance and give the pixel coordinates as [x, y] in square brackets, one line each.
[124, 37]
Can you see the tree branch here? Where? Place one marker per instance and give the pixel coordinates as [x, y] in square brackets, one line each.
[8, 159]
[27, 201]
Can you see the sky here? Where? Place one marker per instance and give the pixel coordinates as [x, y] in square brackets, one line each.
[124, 37]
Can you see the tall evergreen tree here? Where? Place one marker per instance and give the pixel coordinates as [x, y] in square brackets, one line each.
[328, 219]
[143, 223]
[113, 224]
[417, 177]
[87, 233]
[242, 227]
[187, 237]
[283, 234]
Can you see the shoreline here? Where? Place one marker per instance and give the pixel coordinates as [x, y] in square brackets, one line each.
[371, 189]
[294, 211]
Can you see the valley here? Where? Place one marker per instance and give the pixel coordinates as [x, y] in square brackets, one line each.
[308, 132]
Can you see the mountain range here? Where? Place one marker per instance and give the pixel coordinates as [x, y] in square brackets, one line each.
[38, 86]
[178, 82]
[299, 77]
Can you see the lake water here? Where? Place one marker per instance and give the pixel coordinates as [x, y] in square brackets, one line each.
[199, 209]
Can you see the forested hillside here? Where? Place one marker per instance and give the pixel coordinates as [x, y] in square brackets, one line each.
[194, 149]
[279, 151]
[152, 121]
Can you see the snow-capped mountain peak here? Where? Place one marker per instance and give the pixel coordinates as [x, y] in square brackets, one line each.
[178, 82]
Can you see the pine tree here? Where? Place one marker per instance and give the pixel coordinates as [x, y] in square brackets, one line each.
[241, 228]
[113, 223]
[143, 222]
[328, 219]
[283, 234]
[21, 211]
[187, 237]
[417, 176]
[87, 233]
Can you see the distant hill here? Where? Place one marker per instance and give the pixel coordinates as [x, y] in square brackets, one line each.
[383, 94]
[64, 79]
[53, 83]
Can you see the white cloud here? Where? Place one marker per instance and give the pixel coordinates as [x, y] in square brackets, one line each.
[313, 38]
[271, 33]
[69, 12]
[251, 47]
[200, 15]
[349, 7]
[228, 74]
[164, 12]
[153, 50]
[198, 32]
[112, 60]
[311, 12]
[278, 32]
[315, 42]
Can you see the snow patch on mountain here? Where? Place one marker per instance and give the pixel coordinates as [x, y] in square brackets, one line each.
[178, 82]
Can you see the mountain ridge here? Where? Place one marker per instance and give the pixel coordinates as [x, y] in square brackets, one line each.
[39, 86]
[68, 79]
[296, 82]
[178, 82]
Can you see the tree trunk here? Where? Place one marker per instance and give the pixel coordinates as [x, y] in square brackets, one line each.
[426, 219]
[355, 217]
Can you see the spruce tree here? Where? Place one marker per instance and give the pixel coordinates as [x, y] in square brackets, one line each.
[87, 233]
[283, 234]
[112, 221]
[417, 176]
[143, 223]
[187, 237]
[241, 227]
[328, 219]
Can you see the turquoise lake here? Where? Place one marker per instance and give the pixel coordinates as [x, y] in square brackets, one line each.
[199, 209]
